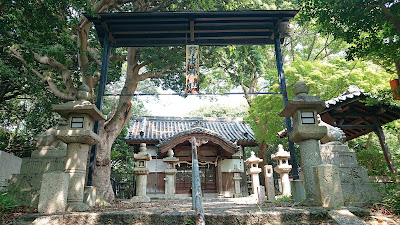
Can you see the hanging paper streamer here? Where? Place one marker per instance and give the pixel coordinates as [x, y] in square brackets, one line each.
[192, 69]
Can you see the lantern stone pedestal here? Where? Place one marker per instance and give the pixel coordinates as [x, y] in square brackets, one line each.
[141, 171]
[79, 137]
[307, 133]
[170, 174]
[283, 168]
[254, 170]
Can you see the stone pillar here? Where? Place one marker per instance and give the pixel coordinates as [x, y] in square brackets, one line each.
[283, 168]
[237, 179]
[170, 173]
[310, 158]
[254, 170]
[269, 182]
[306, 132]
[79, 136]
[141, 171]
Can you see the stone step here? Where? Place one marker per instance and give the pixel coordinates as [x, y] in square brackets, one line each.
[227, 215]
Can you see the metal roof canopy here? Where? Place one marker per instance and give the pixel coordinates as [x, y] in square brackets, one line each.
[144, 29]
[157, 29]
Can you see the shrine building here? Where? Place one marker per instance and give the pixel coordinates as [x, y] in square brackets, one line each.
[220, 152]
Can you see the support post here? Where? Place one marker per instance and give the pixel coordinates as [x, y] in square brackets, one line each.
[99, 102]
[282, 85]
[198, 201]
[386, 152]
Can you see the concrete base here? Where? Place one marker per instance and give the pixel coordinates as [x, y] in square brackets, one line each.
[140, 199]
[77, 207]
[89, 196]
[297, 189]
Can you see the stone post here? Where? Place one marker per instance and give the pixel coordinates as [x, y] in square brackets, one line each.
[141, 171]
[254, 170]
[269, 182]
[237, 179]
[79, 137]
[170, 174]
[307, 133]
[283, 168]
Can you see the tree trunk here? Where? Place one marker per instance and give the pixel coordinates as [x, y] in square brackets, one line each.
[109, 133]
[262, 151]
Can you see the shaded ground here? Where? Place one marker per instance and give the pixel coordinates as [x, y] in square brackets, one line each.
[223, 207]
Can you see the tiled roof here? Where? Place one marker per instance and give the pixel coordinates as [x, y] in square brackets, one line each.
[350, 94]
[157, 129]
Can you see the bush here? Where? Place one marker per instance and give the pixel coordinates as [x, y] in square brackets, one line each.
[392, 200]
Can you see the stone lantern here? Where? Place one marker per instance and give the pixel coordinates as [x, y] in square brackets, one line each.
[283, 168]
[141, 171]
[78, 136]
[170, 174]
[306, 132]
[254, 170]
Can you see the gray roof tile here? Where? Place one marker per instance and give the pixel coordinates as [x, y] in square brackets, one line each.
[153, 128]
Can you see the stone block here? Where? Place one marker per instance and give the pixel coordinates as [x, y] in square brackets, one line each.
[9, 164]
[89, 196]
[53, 193]
[328, 185]
[298, 192]
[363, 192]
[261, 195]
[353, 174]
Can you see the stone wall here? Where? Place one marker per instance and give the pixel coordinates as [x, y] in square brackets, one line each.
[9, 164]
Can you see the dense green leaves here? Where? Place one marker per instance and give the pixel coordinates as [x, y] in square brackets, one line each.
[371, 27]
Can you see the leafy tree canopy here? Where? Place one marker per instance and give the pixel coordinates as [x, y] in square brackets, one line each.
[217, 110]
[372, 27]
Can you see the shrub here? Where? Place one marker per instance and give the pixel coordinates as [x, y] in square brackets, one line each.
[392, 200]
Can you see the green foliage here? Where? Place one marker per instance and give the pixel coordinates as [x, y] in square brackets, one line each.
[392, 200]
[284, 198]
[217, 110]
[369, 152]
[7, 202]
[329, 79]
[371, 27]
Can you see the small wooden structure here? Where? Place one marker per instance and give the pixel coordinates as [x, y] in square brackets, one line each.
[351, 113]
[220, 153]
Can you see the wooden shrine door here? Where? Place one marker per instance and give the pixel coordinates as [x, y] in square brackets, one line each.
[207, 179]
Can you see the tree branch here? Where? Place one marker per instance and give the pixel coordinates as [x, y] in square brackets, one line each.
[392, 18]
[51, 85]
[66, 74]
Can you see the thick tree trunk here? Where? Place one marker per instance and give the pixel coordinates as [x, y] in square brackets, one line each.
[262, 151]
[109, 132]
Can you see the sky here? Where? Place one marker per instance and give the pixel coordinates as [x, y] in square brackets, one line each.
[174, 105]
